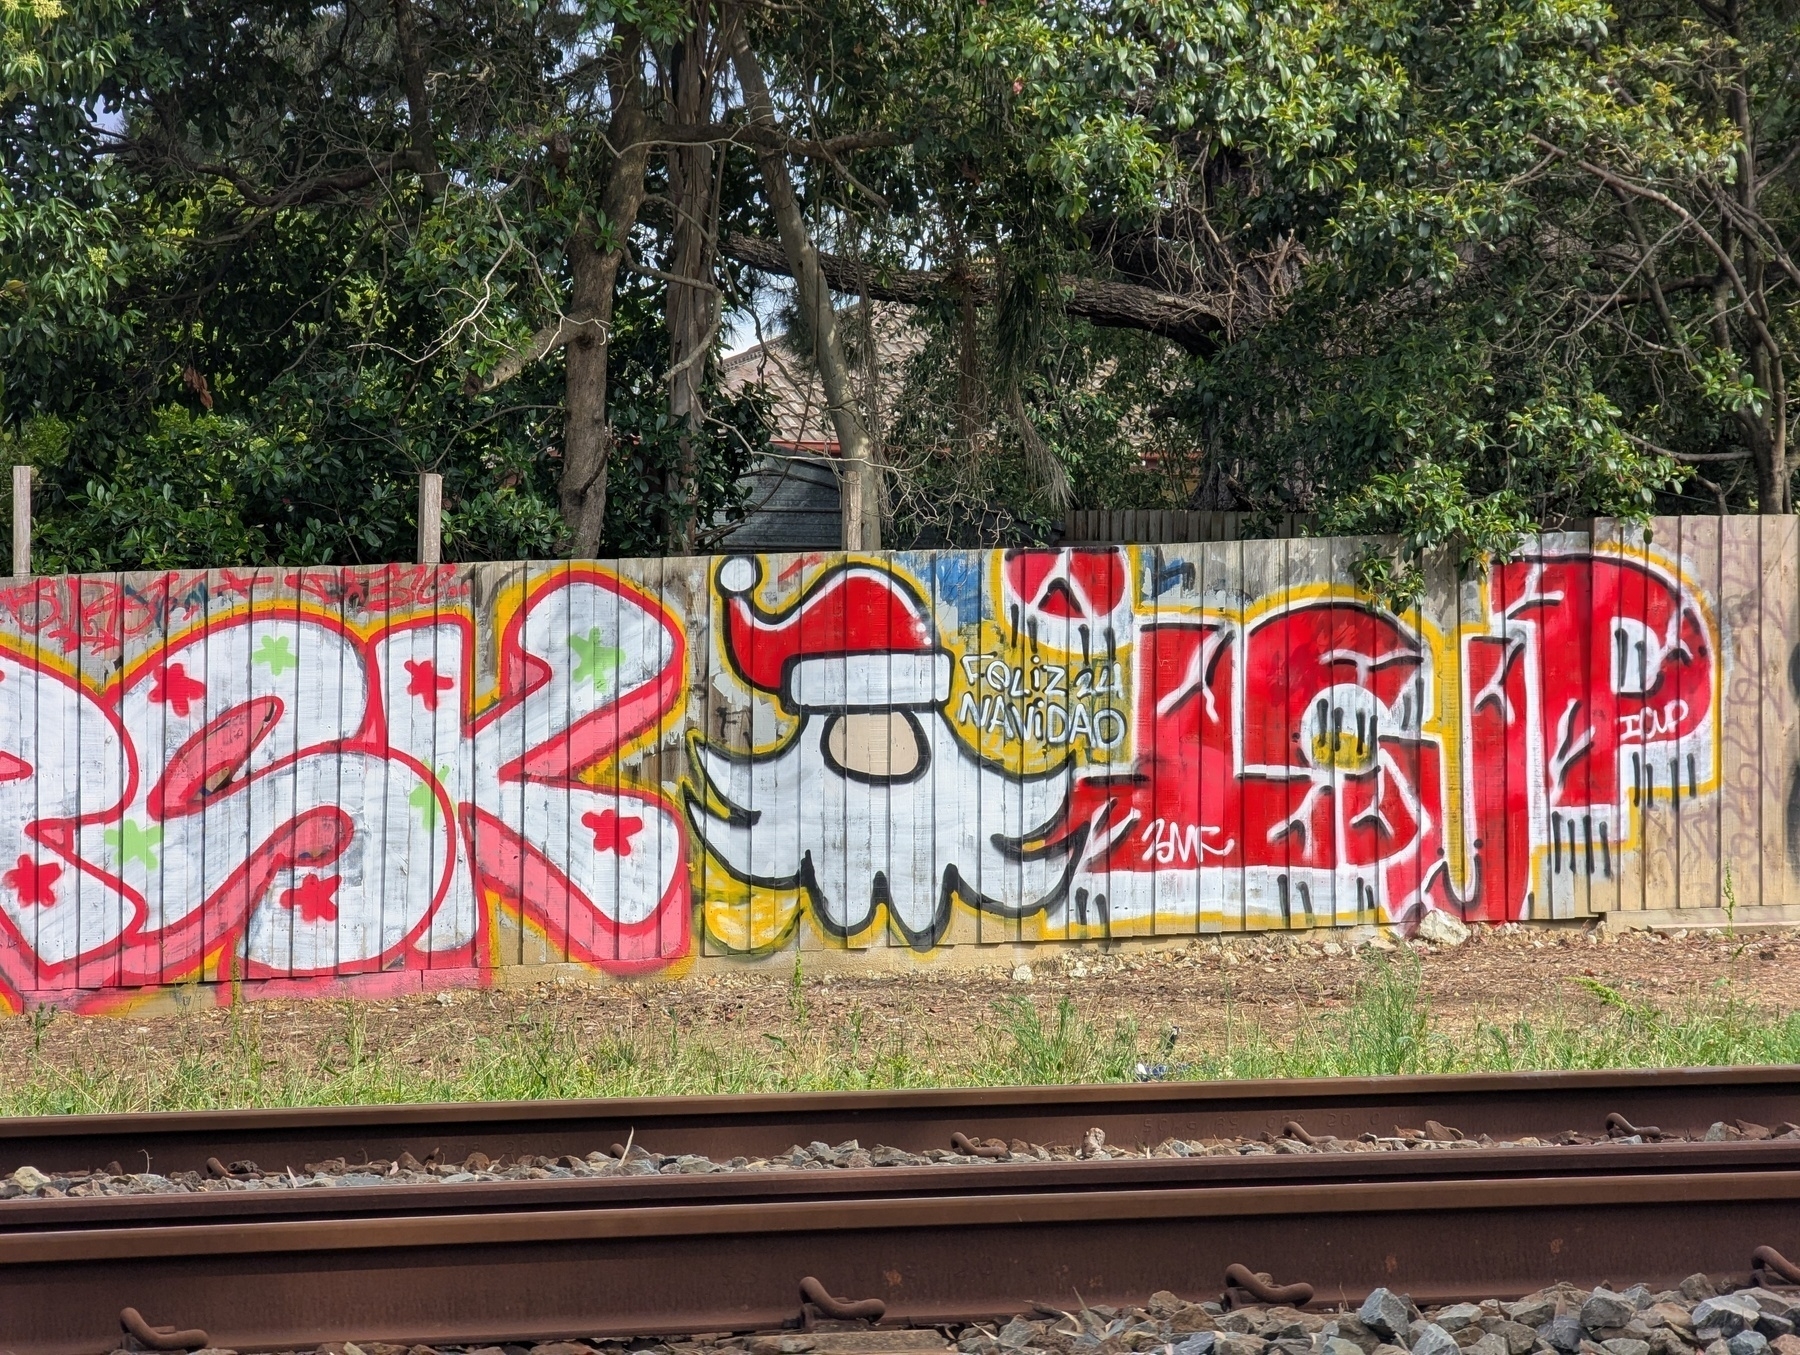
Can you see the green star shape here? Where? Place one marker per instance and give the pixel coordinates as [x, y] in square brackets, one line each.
[594, 661]
[425, 800]
[275, 654]
[132, 842]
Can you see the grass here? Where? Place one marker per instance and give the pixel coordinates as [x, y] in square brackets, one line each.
[1388, 1027]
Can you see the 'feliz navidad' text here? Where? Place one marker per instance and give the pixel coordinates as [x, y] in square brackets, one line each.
[1044, 703]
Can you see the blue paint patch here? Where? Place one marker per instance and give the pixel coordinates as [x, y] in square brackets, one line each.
[957, 579]
[1172, 574]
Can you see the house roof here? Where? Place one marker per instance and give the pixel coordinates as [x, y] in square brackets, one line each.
[791, 381]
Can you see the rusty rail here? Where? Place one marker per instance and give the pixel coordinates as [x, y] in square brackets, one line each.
[508, 1261]
[346, 1203]
[1502, 1105]
[544, 1273]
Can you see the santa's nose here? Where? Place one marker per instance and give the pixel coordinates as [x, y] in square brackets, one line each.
[876, 745]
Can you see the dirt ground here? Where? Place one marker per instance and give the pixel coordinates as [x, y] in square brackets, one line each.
[1273, 983]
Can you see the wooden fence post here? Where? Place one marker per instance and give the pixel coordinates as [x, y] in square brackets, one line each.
[21, 522]
[431, 518]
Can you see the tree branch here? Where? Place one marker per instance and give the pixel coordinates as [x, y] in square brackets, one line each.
[301, 194]
[759, 137]
[545, 342]
[1197, 323]
[1743, 454]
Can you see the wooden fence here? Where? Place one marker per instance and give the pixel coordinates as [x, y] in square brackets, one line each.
[408, 775]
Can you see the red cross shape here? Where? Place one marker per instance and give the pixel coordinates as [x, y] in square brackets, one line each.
[313, 897]
[171, 684]
[613, 831]
[34, 883]
[425, 682]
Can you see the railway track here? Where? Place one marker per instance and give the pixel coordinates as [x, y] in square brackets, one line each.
[726, 1252]
[1502, 1106]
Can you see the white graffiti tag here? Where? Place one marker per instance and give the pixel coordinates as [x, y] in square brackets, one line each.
[274, 793]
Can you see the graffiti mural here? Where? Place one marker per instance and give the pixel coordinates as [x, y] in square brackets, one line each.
[1077, 749]
[374, 779]
[272, 794]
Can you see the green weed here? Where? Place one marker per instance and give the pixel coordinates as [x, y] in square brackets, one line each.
[1387, 1027]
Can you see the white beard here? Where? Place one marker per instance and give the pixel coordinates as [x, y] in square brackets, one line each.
[956, 829]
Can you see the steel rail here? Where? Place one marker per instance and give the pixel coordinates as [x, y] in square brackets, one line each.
[537, 1274]
[31, 1215]
[1500, 1105]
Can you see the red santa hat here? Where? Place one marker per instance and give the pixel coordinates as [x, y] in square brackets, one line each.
[859, 639]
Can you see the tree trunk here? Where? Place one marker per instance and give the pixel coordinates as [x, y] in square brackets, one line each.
[692, 310]
[862, 514]
[418, 100]
[596, 252]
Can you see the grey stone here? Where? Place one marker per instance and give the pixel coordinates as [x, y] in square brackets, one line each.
[1284, 1324]
[1770, 1302]
[1748, 1343]
[1385, 1313]
[1625, 1345]
[1353, 1329]
[1491, 1344]
[1773, 1325]
[1018, 1334]
[1457, 1316]
[1562, 1332]
[1518, 1337]
[1442, 929]
[1606, 1309]
[1668, 1313]
[1434, 1340]
[29, 1178]
[1200, 1343]
[1238, 1343]
[1696, 1287]
[1666, 1341]
[1639, 1296]
[1533, 1312]
[1724, 1317]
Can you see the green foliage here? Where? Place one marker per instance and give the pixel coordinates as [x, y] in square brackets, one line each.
[1437, 318]
[1084, 394]
[246, 367]
[1068, 1049]
[1425, 233]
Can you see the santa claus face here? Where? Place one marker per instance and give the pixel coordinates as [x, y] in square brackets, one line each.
[845, 812]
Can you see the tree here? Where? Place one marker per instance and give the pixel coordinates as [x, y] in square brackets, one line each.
[321, 228]
[1427, 265]
[1396, 241]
